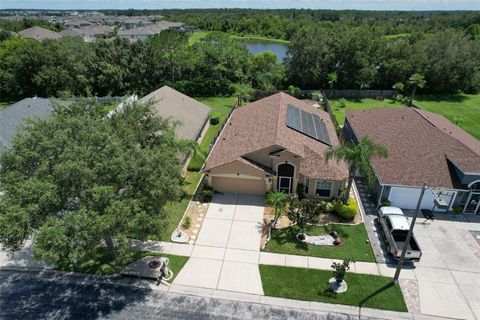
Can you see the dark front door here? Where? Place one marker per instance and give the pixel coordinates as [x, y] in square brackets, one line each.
[285, 177]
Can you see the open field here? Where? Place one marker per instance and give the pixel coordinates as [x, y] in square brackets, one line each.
[355, 246]
[312, 285]
[202, 34]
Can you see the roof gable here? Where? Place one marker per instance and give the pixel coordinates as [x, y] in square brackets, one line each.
[191, 114]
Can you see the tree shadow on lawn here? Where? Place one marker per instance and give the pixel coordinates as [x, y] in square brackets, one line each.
[375, 293]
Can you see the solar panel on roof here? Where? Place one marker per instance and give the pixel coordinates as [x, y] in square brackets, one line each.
[307, 123]
[293, 118]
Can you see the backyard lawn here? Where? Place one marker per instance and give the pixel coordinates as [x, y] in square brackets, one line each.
[4, 104]
[360, 104]
[222, 106]
[462, 109]
[312, 285]
[355, 246]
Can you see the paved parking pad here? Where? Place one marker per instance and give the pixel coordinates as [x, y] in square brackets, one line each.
[226, 254]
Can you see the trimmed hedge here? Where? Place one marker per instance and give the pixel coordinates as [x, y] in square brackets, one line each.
[348, 211]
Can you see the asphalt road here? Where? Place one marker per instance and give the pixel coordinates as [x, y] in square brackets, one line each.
[30, 296]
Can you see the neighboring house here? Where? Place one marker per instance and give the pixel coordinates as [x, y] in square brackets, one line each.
[423, 147]
[39, 33]
[276, 143]
[144, 33]
[13, 117]
[192, 116]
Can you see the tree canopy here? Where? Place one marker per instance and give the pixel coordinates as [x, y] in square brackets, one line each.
[78, 181]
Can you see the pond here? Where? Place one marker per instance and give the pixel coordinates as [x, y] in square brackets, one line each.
[259, 46]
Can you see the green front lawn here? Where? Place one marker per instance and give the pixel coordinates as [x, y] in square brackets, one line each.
[360, 104]
[312, 285]
[100, 265]
[222, 106]
[462, 109]
[176, 209]
[355, 243]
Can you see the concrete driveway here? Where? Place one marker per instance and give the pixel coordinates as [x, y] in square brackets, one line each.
[227, 249]
[448, 275]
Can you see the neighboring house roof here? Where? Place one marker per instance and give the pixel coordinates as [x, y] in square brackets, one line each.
[39, 33]
[169, 103]
[70, 33]
[262, 124]
[420, 145]
[150, 29]
[14, 116]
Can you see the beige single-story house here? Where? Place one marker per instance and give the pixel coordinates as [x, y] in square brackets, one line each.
[191, 116]
[276, 144]
[423, 147]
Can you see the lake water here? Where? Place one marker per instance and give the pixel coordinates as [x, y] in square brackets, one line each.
[259, 46]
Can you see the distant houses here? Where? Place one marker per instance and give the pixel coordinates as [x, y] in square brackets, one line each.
[39, 33]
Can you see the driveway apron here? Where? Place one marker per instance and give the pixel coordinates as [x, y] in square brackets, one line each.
[226, 254]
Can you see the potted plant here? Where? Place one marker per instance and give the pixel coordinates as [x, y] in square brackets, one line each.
[457, 210]
[337, 283]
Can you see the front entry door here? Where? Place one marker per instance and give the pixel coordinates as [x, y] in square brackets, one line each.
[473, 203]
[284, 184]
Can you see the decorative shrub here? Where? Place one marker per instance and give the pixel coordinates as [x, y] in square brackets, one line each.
[214, 118]
[293, 91]
[457, 209]
[187, 222]
[300, 191]
[348, 211]
[207, 193]
[340, 269]
[386, 203]
[342, 103]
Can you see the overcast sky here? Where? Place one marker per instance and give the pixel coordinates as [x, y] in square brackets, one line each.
[313, 4]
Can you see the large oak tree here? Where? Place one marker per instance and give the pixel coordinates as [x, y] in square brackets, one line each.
[79, 182]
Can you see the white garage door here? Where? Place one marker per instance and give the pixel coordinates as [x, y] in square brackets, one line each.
[407, 198]
[239, 185]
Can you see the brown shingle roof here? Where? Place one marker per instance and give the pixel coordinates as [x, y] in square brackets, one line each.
[169, 103]
[39, 33]
[418, 146]
[262, 124]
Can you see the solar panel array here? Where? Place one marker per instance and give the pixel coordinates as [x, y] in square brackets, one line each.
[307, 123]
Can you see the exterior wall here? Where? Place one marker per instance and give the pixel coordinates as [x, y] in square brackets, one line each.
[334, 192]
[263, 156]
[240, 175]
[347, 132]
[407, 198]
[290, 158]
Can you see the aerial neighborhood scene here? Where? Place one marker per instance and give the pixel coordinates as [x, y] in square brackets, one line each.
[239, 159]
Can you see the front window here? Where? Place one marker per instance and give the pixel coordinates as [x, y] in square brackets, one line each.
[322, 188]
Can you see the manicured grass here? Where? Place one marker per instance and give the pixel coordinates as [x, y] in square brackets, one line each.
[355, 246]
[100, 265]
[312, 285]
[195, 37]
[360, 104]
[222, 106]
[176, 209]
[462, 109]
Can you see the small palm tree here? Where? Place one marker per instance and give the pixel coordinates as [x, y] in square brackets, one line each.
[417, 81]
[357, 156]
[277, 200]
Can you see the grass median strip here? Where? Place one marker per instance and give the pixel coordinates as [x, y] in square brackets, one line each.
[312, 285]
[355, 244]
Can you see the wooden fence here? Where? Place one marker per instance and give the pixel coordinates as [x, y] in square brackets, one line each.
[359, 94]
